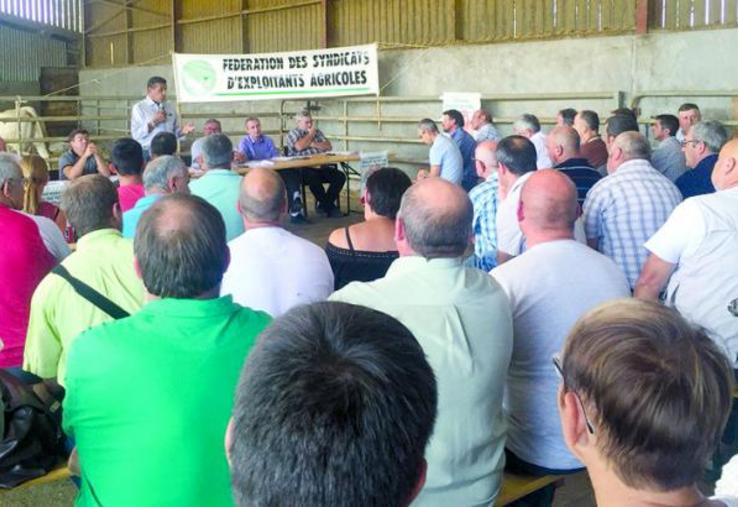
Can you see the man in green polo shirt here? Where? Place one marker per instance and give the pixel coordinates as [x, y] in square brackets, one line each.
[149, 396]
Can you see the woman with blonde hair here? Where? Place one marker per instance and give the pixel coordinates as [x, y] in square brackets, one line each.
[36, 176]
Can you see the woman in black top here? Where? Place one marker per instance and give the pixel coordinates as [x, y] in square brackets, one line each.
[363, 252]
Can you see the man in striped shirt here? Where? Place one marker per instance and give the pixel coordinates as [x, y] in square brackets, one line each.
[484, 199]
[623, 210]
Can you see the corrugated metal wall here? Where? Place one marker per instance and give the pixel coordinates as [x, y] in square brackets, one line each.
[298, 26]
[220, 35]
[691, 14]
[26, 52]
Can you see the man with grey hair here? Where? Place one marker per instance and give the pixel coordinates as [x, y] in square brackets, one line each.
[163, 175]
[527, 125]
[445, 157]
[701, 146]
[461, 318]
[481, 122]
[103, 260]
[219, 185]
[627, 207]
[272, 269]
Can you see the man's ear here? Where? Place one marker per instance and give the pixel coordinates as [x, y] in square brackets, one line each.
[5, 189]
[229, 440]
[399, 230]
[227, 261]
[520, 213]
[422, 472]
[137, 268]
[117, 216]
[573, 422]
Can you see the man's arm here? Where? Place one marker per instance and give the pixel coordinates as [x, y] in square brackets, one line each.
[503, 257]
[43, 347]
[594, 243]
[435, 170]
[140, 124]
[102, 166]
[305, 141]
[654, 275]
[74, 171]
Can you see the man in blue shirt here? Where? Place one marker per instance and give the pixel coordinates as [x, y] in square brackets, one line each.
[444, 156]
[484, 199]
[453, 123]
[256, 146]
[701, 146]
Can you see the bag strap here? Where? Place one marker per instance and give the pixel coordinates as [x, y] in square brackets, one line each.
[91, 294]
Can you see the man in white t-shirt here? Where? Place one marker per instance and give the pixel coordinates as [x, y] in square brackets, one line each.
[445, 157]
[516, 161]
[696, 252]
[553, 283]
[271, 269]
[529, 126]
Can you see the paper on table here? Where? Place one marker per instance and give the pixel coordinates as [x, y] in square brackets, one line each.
[259, 163]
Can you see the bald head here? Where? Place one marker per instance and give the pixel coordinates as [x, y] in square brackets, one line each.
[562, 144]
[437, 218]
[725, 172]
[627, 146]
[263, 197]
[486, 160]
[549, 206]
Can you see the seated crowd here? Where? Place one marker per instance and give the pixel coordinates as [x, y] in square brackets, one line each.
[541, 304]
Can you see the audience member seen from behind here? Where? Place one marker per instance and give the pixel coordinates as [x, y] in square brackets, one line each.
[26, 259]
[563, 144]
[128, 161]
[591, 145]
[616, 125]
[528, 126]
[701, 146]
[444, 156]
[485, 199]
[149, 397]
[453, 125]
[643, 402]
[164, 175]
[272, 269]
[363, 252]
[163, 143]
[668, 157]
[82, 158]
[461, 318]
[35, 178]
[103, 260]
[335, 406]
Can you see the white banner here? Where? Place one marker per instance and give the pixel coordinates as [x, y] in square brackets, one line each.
[465, 103]
[320, 73]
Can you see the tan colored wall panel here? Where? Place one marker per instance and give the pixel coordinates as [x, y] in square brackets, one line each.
[217, 36]
[284, 30]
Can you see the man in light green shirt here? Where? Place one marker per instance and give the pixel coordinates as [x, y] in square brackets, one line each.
[462, 319]
[220, 186]
[149, 396]
[103, 260]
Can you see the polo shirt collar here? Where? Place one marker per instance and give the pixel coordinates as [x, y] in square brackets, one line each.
[410, 263]
[572, 162]
[191, 308]
[151, 102]
[218, 171]
[147, 200]
[707, 163]
[96, 237]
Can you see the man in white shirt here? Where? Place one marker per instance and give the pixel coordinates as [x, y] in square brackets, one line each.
[516, 161]
[154, 114]
[696, 252]
[461, 318]
[689, 114]
[445, 157]
[553, 283]
[529, 126]
[271, 269]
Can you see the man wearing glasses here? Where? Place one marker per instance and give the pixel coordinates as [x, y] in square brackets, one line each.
[701, 146]
[554, 282]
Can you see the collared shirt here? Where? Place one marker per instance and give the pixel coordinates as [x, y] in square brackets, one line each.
[220, 187]
[624, 209]
[296, 134]
[273, 270]
[104, 260]
[581, 173]
[549, 287]
[148, 401]
[668, 158]
[71, 158]
[445, 154]
[196, 152]
[487, 132]
[259, 149]
[698, 181]
[510, 238]
[128, 195]
[133, 215]
[542, 160]
[701, 239]
[461, 318]
[25, 261]
[142, 113]
[484, 200]
[466, 145]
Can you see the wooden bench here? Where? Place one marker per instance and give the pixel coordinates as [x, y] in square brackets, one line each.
[61, 472]
[515, 487]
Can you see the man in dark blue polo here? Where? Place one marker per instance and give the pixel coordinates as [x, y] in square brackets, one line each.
[453, 124]
[701, 146]
[563, 145]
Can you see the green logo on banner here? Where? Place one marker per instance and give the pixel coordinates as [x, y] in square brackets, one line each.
[198, 77]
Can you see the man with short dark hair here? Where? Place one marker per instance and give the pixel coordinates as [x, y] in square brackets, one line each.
[445, 160]
[617, 124]
[335, 406]
[128, 161]
[163, 143]
[643, 402]
[565, 117]
[149, 396]
[689, 114]
[701, 146]
[103, 260]
[668, 157]
[562, 144]
[453, 125]
[272, 269]
[527, 125]
[592, 147]
[461, 318]
[154, 114]
[82, 157]
[220, 185]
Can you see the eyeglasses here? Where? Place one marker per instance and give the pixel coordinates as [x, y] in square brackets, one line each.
[560, 370]
[685, 143]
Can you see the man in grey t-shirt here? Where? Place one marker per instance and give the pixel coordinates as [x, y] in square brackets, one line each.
[82, 157]
[445, 158]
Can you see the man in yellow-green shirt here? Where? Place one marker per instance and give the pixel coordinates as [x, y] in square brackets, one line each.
[102, 260]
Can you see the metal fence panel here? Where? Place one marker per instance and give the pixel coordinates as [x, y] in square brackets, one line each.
[693, 14]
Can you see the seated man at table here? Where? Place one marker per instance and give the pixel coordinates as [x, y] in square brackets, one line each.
[82, 157]
[306, 139]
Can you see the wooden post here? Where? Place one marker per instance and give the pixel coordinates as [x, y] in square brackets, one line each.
[129, 35]
[324, 24]
[641, 17]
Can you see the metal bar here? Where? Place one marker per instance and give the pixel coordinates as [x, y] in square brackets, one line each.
[635, 101]
[293, 5]
[150, 28]
[205, 19]
[641, 16]
[131, 7]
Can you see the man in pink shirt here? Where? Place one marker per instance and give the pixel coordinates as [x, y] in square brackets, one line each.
[31, 246]
[128, 161]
